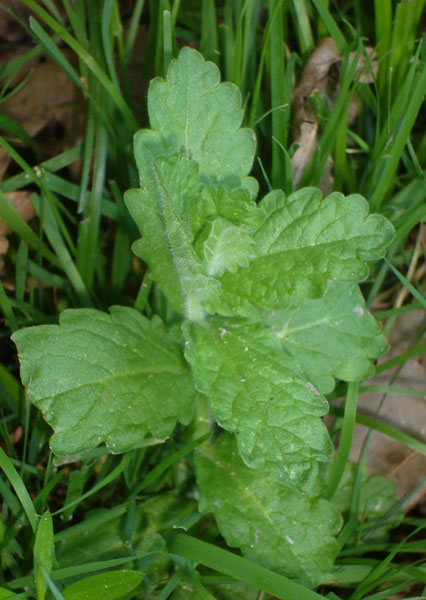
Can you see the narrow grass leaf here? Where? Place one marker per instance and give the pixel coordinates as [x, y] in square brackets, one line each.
[53, 51]
[388, 173]
[413, 291]
[391, 432]
[19, 487]
[330, 24]
[43, 553]
[239, 568]
[88, 59]
[345, 441]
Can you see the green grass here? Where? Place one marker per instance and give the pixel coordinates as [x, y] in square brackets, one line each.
[77, 253]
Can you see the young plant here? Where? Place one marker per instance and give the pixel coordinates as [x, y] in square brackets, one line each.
[269, 314]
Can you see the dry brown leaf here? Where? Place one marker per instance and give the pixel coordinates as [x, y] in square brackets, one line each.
[4, 162]
[22, 204]
[386, 456]
[319, 76]
[10, 30]
[47, 104]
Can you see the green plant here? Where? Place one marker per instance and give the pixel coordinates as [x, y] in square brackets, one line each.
[263, 313]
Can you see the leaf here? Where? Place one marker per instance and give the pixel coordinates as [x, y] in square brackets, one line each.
[377, 498]
[257, 391]
[203, 117]
[304, 241]
[272, 523]
[43, 553]
[224, 247]
[6, 594]
[105, 378]
[106, 586]
[332, 337]
[167, 240]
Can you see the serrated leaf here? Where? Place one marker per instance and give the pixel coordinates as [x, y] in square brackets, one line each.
[224, 247]
[332, 337]
[105, 378]
[203, 116]
[305, 241]
[257, 391]
[272, 523]
[105, 586]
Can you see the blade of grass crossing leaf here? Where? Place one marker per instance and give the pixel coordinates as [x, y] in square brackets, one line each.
[303, 26]
[337, 114]
[53, 51]
[403, 37]
[86, 166]
[383, 26]
[171, 585]
[19, 487]
[77, 20]
[345, 442]
[387, 176]
[391, 389]
[89, 228]
[13, 66]
[401, 358]
[371, 581]
[133, 28]
[74, 492]
[330, 24]
[88, 59]
[91, 522]
[257, 87]
[75, 571]
[238, 47]
[51, 230]
[167, 39]
[37, 176]
[278, 97]
[21, 270]
[101, 484]
[168, 462]
[394, 116]
[43, 553]
[249, 52]
[7, 309]
[106, 40]
[52, 587]
[141, 302]
[22, 229]
[199, 588]
[12, 127]
[413, 291]
[239, 568]
[209, 37]
[391, 432]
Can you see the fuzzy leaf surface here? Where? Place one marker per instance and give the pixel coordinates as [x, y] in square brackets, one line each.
[105, 378]
[304, 241]
[272, 523]
[332, 337]
[258, 391]
[167, 243]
